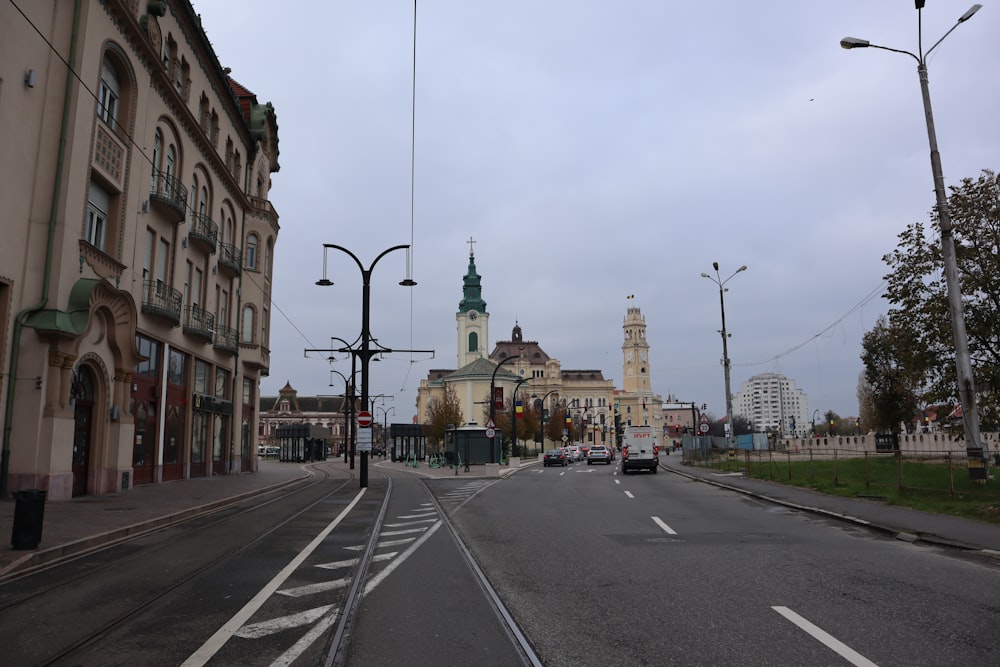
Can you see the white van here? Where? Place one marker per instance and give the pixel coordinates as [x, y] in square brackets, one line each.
[640, 449]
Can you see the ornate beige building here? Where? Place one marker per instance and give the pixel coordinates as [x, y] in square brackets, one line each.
[589, 397]
[135, 283]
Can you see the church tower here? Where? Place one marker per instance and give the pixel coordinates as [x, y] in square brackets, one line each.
[473, 320]
[635, 351]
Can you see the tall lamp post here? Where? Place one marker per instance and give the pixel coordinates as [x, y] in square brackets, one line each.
[963, 363]
[385, 425]
[493, 388]
[348, 406]
[365, 352]
[731, 439]
[541, 415]
[513, 416]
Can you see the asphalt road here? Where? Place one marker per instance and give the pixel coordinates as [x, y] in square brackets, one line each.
[604, 569]
[589, 566]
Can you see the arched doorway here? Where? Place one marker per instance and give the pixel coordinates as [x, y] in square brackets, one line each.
[82, 395]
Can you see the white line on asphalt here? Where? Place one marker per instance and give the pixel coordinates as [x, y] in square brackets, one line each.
[265, 628]
[417, 516]
[828, 640]
[618, 481]
[409, 523]
[629, 494]
[562, 473]
[377, 579]
[307, 640]
[312, 589]
[387, 543]
[351, 562]
[667, 529]
[207, 650]
[390, 533]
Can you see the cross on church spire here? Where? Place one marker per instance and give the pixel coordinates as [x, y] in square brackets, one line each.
[470, 242]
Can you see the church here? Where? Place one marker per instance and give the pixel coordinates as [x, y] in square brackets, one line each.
[521, 368]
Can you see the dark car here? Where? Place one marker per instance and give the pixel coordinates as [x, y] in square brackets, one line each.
[554, 457]
[599, 454]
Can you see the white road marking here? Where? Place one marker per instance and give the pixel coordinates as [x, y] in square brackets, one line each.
[351, 562]
[387, 543]
[409, 523]
[305, 641]
[828, 640]
[207, 650]
[629, 494]
[667, 529]
[417, 516]
[618, 481]
[265, 628]
[390, 533]
[312, 589]
[377, 579]
[562, 473]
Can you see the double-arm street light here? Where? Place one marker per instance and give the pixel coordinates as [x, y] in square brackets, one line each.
[493, 388]
[541, 414]
[365, 352]
[963, 363]
[348, 405]
[731, 439]
[513, 416]
[385, 425]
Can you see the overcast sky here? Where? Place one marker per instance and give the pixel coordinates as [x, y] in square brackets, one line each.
[597, 149]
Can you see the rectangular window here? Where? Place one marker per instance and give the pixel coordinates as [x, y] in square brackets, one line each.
[96, 222]
[201, 370]
[247, 391]
[221, 383]
[175, 374]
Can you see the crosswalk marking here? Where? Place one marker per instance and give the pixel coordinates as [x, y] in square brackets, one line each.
[312, 589]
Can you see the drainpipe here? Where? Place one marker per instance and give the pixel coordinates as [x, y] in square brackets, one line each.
[23, 316]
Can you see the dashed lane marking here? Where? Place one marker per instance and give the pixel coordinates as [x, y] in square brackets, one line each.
[667, 529]
[825, 638]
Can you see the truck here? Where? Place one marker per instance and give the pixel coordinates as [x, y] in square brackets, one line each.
[640, 449]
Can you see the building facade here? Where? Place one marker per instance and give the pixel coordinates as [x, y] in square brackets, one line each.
[134, 305]
[522, 369]
[772, 402]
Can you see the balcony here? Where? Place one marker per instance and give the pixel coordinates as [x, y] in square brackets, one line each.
[168, 195]
[262, 208]
[199, 322]
[226, 339]
[255, 358]
[161, 300]
[204, 232]
[230, 259]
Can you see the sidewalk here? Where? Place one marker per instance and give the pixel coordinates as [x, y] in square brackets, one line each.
[901, 522]
[90, 521]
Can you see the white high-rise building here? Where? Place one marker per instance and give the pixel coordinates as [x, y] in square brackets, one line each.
[772, 401]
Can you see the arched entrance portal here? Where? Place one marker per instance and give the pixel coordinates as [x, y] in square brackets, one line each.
[82, 395]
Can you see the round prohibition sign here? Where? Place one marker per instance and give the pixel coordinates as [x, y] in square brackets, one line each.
[364, 418]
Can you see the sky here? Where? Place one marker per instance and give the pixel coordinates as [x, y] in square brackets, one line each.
[595, 150]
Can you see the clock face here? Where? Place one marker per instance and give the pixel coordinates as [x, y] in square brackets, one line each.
[643, 355]
[628, 355]
[473, 315]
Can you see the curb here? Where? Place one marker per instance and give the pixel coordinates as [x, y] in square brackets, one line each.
[897, 533]
[93, 542]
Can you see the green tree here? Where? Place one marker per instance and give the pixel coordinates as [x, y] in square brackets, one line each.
[917, 292]
[892, 373]
[442, 413]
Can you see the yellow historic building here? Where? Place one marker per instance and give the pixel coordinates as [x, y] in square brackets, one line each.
[523, 366]
[136, 276]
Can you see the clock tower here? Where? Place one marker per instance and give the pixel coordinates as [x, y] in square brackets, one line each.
[473, 320]
[635, 351]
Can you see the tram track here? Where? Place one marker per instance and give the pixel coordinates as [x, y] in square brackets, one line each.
[65, 653]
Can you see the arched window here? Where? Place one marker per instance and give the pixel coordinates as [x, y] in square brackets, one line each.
[108, 93]
[251, 253]
[473, 341]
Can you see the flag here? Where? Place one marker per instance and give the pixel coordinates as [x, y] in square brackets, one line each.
[518, 410]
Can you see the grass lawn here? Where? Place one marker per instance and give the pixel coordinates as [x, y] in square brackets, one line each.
[934, 485]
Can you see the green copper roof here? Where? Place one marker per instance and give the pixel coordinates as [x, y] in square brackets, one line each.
[472, 292]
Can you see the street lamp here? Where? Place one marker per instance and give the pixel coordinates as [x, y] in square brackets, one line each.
[541, 415]
[513, 416]
[493, 388]
[731, 439]
[348, 406]
[385, 425]
[963, 363]
[365, 353]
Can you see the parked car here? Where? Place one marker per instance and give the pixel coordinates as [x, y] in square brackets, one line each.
[599, 454]
[554, 457]
[576, 453]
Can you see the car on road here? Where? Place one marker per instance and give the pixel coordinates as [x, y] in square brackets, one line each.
[554, 457]
[599, 454]
[576, 453]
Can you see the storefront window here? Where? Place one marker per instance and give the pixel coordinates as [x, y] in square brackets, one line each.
[176, 375]
[199, 437]
[151, 350]
[221, 383]
[201, 370]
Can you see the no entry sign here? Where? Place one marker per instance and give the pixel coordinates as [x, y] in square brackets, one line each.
[364, 418]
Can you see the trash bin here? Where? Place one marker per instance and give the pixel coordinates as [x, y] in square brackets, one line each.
[29, 510]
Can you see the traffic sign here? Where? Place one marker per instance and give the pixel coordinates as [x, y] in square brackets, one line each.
[364, 418]
[703, 427]
[491, 433]
[364, 443]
